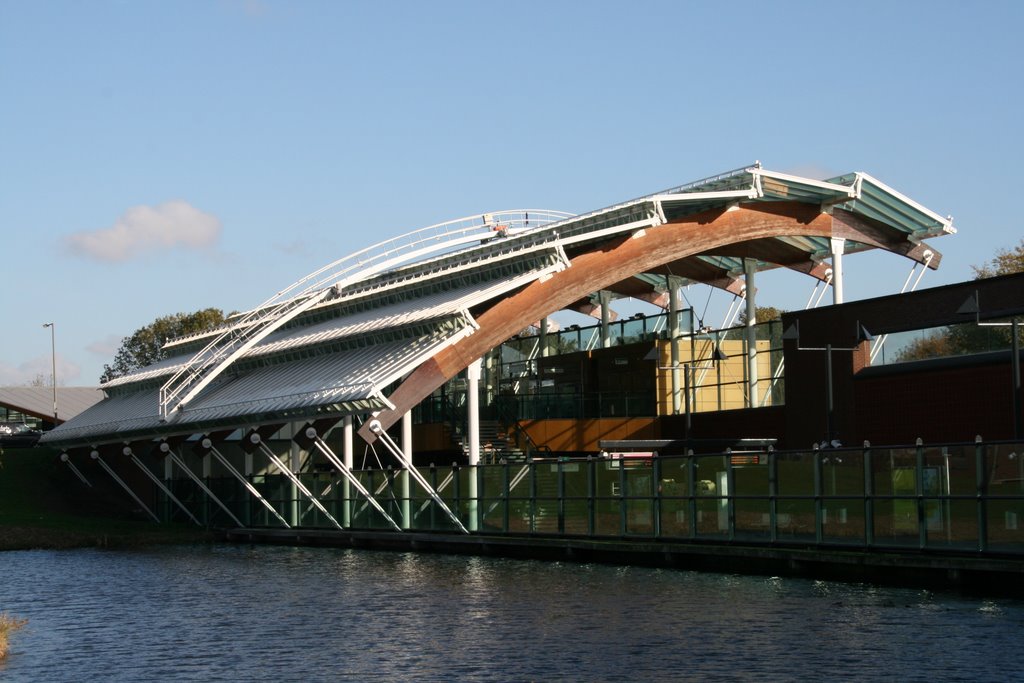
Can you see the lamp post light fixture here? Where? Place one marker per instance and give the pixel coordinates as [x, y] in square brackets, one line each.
[793, 333]
[972, 305]
[53, 367]
[689, 381]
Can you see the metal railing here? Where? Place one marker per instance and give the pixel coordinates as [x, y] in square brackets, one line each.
[330, 280]
[966, 497]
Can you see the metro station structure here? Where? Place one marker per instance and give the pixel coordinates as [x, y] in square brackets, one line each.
[402, 346]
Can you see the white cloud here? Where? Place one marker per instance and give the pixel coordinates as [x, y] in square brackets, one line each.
[39, 369]
[143, 229]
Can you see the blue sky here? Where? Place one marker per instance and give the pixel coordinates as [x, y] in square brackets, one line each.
[161, 157]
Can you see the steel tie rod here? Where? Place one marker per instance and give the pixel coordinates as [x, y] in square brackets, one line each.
[378, 429]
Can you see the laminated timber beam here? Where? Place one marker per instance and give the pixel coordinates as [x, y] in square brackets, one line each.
[597, 269]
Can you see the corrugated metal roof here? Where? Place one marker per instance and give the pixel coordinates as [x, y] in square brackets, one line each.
[38, 401]
[329, 383]
[416, 311]
[303, 365]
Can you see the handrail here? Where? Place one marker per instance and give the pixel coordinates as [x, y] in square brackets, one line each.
[328, 281]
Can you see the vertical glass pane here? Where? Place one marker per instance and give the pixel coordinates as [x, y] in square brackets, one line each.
[575, 505]
[752, 519]
[607, 517]
[795, 519]
[842, 520]
[492, 501]
[1004, 473]
[545, 509]
[675, 504]
[795, 474]
[894, 474]
[712, 490]
[639, 495]
[842, 473]
[519, 503]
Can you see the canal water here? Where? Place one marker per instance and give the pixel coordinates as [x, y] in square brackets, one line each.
[268, 613]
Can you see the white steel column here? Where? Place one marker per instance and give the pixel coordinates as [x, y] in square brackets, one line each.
[348, 458]
[377, 428]
[294, 464]
[838, 243]
[244, 479]
[606, 313]
[257, 441]
[749, 268]
[403, 481]
[166, 448]
[543, 337]
[346, 472]
[674, 332]
[473, 406]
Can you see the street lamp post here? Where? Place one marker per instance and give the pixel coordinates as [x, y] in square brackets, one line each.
[793, 334]
[689, 381]
[973, 306]
[53, 367]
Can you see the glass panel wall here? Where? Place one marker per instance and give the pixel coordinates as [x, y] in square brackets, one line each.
[960, 497]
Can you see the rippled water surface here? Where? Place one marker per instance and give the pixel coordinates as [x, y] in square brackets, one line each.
[316, 614]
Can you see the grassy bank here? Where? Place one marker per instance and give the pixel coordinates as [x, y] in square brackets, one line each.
[8, 625]
[43, 505]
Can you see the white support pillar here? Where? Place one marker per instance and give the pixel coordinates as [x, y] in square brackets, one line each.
[403, 482]
[749, 269]
[295, 465]
[348, 457]
[605, 298]
[838, 244]
[243, 479]
[674, 332]
[473, 406]
[544, 337]
[257, 441]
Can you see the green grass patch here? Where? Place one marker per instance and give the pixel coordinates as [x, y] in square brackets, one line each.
[8, 625]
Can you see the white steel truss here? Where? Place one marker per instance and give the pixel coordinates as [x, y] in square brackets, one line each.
[376, 428]
[96, 456]
[166, 448]
[311, 433]
[160, 485]
[208, 445]
[258, 442]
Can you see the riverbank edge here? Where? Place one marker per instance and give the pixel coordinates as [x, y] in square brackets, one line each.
[47, 538]
[925, 569]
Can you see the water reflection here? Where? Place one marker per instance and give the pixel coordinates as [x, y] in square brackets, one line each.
[262, 613]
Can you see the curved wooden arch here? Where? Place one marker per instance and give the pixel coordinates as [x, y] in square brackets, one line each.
[596, 269]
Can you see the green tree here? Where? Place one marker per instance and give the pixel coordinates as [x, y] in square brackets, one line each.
[1005, 262]
[957, 340]
[144, 347]
[762, 314]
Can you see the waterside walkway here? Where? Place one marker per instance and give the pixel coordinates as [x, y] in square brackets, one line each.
[945, 515]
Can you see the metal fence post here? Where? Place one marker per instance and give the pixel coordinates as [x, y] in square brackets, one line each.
[591, 496]
[818, 521]
[922, 527]
[773, 492]
[869, 497]
[981, 488]
[656, 502]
